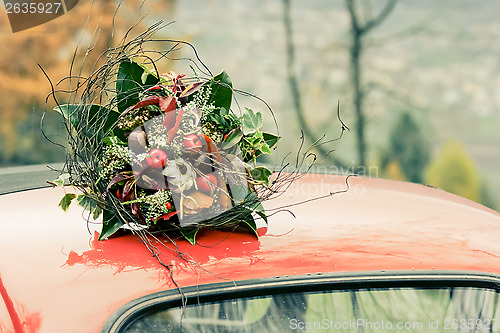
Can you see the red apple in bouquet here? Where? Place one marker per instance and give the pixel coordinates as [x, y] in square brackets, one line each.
[157, 159]
[192, 142]
[206, 183]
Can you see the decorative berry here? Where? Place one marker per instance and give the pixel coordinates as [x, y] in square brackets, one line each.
[168, 205]
[157, 159]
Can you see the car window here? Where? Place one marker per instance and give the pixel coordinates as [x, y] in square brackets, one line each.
[403, 302]
[372, 310]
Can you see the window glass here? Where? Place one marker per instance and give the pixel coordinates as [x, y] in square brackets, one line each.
[370, 310]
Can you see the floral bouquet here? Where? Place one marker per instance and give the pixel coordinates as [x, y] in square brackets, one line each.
[160, 152]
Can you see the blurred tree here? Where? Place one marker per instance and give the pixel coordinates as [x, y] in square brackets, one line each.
[455, 172]
[408, 147]
[361, 25]
[393, 171]
[486, 197]
[23, 85]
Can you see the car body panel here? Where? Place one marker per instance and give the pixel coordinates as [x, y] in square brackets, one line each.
[52, 262]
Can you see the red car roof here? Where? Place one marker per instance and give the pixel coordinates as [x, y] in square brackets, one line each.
[51, 265]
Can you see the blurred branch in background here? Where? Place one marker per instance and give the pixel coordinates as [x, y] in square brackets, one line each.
[295, 90]
[358, 32]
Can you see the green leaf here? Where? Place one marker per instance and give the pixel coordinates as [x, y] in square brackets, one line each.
[60, 181]
[66, 201]
[230, 120]
[86, 202]
[257, 138]
[113, 140]
[222, 91]
[249, 223]
[148, 77]
[189, 234]
[132, 79]
[255, 145]
[252, 121]
[218, 119]
[89, 204]
[255, 205]
[239, 192]
[94, 119]
[261, 174]
[263, 149]
[232, 138]
[259, 209]
[110, 224]
[263, 215]
[270, 139]
[97, 212]
[254, 140]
